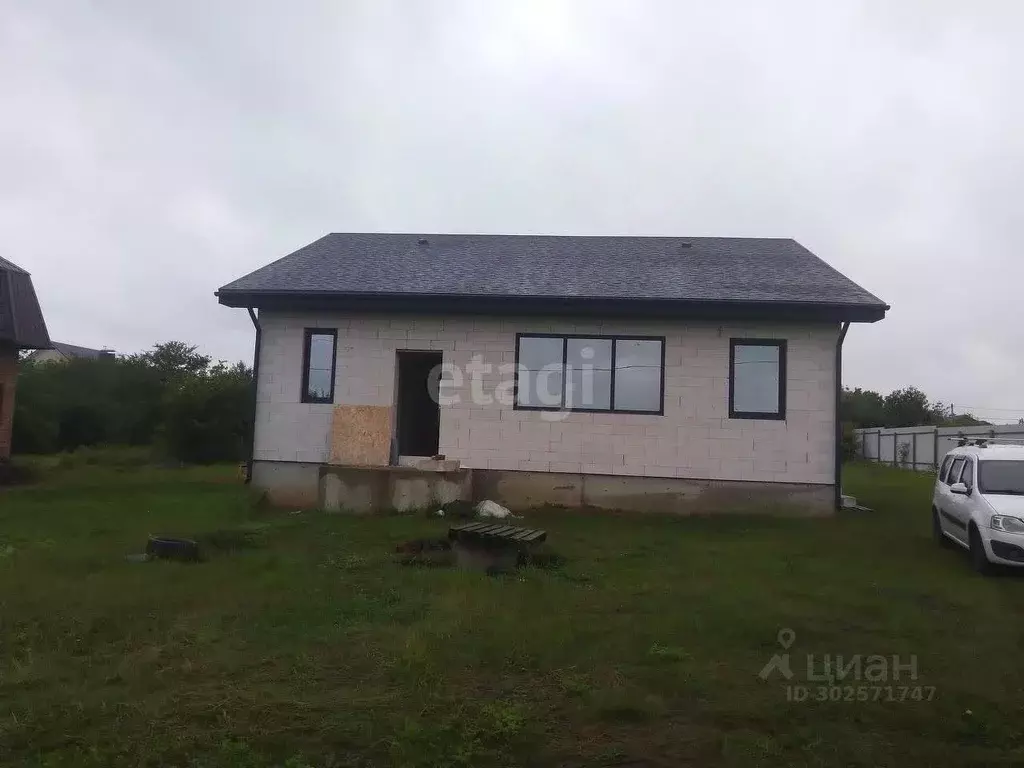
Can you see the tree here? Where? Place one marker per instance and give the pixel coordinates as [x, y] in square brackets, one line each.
[909, 407]
[174, 359]
[862, 407]
[208, 417]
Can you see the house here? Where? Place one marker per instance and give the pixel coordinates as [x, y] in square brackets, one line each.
[21, 327]
[62, 353]
[674, 373]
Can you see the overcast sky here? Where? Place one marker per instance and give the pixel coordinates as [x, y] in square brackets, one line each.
[153, 151]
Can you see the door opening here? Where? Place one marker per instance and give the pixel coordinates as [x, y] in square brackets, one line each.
[418, 417]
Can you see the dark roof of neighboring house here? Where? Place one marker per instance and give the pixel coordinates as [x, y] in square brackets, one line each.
[664, 276]
[72, 350]
[21, 319]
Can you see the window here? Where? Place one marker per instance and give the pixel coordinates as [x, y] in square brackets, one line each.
[540, 379]
[588, 369]
[318, 360]
[638, 374]
[945, 467]
[590, 373]
[757, 379]
[954, 471]
[967, 476]
[1002, 477]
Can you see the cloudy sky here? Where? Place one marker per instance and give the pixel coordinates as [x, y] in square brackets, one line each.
[151, 152]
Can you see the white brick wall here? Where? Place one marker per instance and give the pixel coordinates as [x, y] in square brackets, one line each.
[694, 439]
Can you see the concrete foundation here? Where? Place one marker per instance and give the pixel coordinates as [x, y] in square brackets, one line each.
[362, 490]
[701, 497]
[288, 483]
[373, 489]
[651, 494]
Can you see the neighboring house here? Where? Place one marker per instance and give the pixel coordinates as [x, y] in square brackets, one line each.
[634, 372]
[21, 327]
[62, 353]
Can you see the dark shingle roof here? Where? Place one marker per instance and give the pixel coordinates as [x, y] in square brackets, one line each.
[9, 266]
[675, 270]
[21, 319]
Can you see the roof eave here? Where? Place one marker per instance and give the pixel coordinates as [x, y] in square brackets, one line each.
[526, 305]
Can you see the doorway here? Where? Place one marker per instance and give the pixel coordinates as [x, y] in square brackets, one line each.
[418, 417]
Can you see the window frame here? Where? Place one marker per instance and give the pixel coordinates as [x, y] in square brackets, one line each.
[307, 339]
[951, 475]
[947, 462]
[783, 378]
[565, 378]
[968, 470]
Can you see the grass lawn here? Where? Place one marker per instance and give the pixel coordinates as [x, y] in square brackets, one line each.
[316, 649]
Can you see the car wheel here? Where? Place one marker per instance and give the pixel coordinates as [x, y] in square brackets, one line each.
[979, 559]
[941, 538]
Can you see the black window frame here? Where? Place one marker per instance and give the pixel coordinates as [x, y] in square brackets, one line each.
[951, 475]
[307, 339]
[783, 377]
[565, 379]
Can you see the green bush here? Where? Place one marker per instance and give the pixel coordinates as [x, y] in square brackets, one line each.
[207, 418]
[116, 456]
[849, 444]
[16, 473]
[170, 401]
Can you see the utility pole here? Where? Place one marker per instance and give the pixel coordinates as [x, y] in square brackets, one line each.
[951, 414]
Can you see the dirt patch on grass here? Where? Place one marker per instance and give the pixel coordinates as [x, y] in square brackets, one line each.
[430, 553]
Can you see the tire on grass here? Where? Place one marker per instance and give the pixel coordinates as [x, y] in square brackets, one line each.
[940, 538]
[979, 558]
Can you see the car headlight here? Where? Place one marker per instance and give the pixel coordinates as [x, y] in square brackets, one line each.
[1007, 523]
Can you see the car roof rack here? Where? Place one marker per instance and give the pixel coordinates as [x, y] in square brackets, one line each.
[981, 442]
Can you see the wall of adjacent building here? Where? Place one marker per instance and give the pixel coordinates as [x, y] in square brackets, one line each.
[48, 356]
[695, 438]
[8, 380]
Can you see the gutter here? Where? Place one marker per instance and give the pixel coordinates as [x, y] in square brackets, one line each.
[255, 389]
[839, 419]
[490, 304]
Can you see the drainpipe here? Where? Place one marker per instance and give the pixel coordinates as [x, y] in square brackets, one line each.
[839, 419]
[255, 388]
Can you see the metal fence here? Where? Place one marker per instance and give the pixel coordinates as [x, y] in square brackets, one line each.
[921, 448]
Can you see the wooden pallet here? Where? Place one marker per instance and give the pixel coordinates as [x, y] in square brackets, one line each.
[496, 534]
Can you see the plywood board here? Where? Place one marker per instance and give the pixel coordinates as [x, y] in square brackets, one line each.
[361, 434]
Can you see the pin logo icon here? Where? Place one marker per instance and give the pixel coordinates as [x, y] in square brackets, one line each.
[780, 661]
